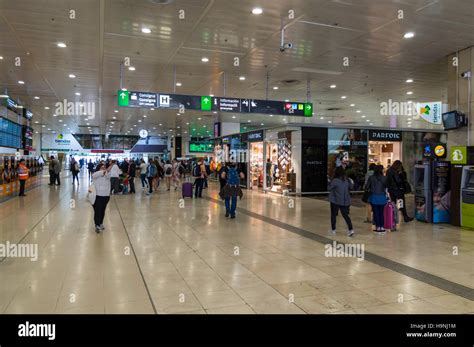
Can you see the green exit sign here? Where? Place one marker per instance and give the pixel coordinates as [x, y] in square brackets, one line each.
[308, 110]
[206, 103]
[123, 98]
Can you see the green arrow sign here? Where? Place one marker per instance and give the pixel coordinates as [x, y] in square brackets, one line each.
[308, 110]
[206, 103]
[122, 98]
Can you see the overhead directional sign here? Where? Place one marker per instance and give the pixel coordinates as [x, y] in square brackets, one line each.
[208, 103]
[123, 98]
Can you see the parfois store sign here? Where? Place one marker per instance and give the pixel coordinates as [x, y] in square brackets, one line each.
[385, 135]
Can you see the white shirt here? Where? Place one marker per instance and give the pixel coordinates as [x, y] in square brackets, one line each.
[101, 183]
[143, 168]
[115, 171]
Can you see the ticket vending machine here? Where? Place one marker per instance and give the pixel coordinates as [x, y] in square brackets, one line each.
[423, 192]
[467, 197]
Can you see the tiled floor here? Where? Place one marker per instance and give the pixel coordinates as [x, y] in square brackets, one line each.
[160, 256]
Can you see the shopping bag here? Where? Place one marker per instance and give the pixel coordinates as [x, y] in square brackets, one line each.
[91, 194]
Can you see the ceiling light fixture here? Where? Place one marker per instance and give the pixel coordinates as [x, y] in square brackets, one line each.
[131, 68]
[332, 86]
[409, 35]
[61, 44]
[146, 30]
[409, 80]
[409, 93]
[358, 111]
[21, 82]
[242, 78]
[37, 97]
[46, 108]
[257, 10]
[275, 88]
[343, 97]
[179, 84]
[78, 94]
[352, 105]
[204, 59]
[72, 75]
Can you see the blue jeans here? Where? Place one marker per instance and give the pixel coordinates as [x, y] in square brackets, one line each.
[378, 215]
[230, 208]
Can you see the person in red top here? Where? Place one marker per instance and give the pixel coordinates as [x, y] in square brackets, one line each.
[23, 176]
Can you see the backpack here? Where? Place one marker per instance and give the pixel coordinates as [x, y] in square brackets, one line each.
[181, 170]
[152, 171]
[168, 171]
[197, 170]
[76, 167]
[233, 177]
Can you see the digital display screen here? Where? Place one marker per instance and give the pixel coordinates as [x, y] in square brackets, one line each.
[450, 120]
[10, 134]
[200, 147]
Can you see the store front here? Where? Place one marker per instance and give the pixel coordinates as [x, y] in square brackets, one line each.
[385, 147]
[254, 142]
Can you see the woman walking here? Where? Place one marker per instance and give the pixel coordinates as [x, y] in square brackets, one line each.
[143, 170]
[377, 186]
[340, 199]
[168, 174]
[398, 186]
[101, 180]
[176, 174]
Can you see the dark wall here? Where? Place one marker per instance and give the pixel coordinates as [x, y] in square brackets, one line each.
[178, 147]
[314, 161]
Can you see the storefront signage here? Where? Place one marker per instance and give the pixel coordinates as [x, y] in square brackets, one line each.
[431, 111]
[458, 155]
[385, 135]
[253, 137]
[60, 142]
[437, 151]
[208, 103]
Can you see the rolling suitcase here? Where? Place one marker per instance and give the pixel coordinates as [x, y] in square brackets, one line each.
[389, 222]
[187, 190]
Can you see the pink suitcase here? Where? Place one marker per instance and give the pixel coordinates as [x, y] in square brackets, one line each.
[389, 216]
[187, 190]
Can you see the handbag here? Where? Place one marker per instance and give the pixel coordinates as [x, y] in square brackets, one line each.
[367, 192]
[91, 194]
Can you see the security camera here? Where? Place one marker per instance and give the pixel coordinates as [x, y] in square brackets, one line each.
[466, 74]
[286, 46]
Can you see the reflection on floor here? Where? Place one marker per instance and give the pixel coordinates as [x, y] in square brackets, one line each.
[158, 255]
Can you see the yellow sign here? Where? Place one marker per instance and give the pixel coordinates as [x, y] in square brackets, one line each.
[440, 151]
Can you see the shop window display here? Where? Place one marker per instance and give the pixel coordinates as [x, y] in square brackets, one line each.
[348, 148]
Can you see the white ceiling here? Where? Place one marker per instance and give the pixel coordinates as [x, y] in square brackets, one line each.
[323, 32]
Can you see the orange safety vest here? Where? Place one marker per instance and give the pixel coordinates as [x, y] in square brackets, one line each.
[23, 172]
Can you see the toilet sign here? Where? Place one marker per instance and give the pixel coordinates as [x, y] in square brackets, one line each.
[458, 155]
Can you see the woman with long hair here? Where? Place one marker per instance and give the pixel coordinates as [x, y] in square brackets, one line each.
[398, 186]
[340, 199]
[377, 186]
[101, 180]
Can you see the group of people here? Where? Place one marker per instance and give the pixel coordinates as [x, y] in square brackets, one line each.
[380, 190]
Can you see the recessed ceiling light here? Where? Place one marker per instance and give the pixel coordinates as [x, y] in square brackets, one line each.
[60, 121]
[139, 121]
[54, 132]
[257, 10]
[211, 95]
[88, 124]
[262, 124]
[162, 124]
[116, 111]
[21, 82]
[36, 132]
[242, 78]
[367, 120]
[124, 89]
[409, 118]
[271, 115]
[364, 116]
[55, 115]
[37, 97]
[332, 86]
[186, 124]
[178, 127]
[321, 118]
[36, 122]
[371, 123]
[409, 35]
[61, 44]
[144, 116]
[352, 105]
[343, 97]
[284, 119]
[233, 117]
[409, 93]
[275, 88]
[152, 109]
[329, 121]
[44, 126]
[179, 84]
[49, 129]
[1, 58]
[65, 125]
[249, 121]
[409, 80]
[204, 59]
[185, 132]
[154, 128]
[112, 122]
[135, 125]
[114, 117]
[72, 75]
[146, 30]
[78, 94]
[358, 111]
[199, 118]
